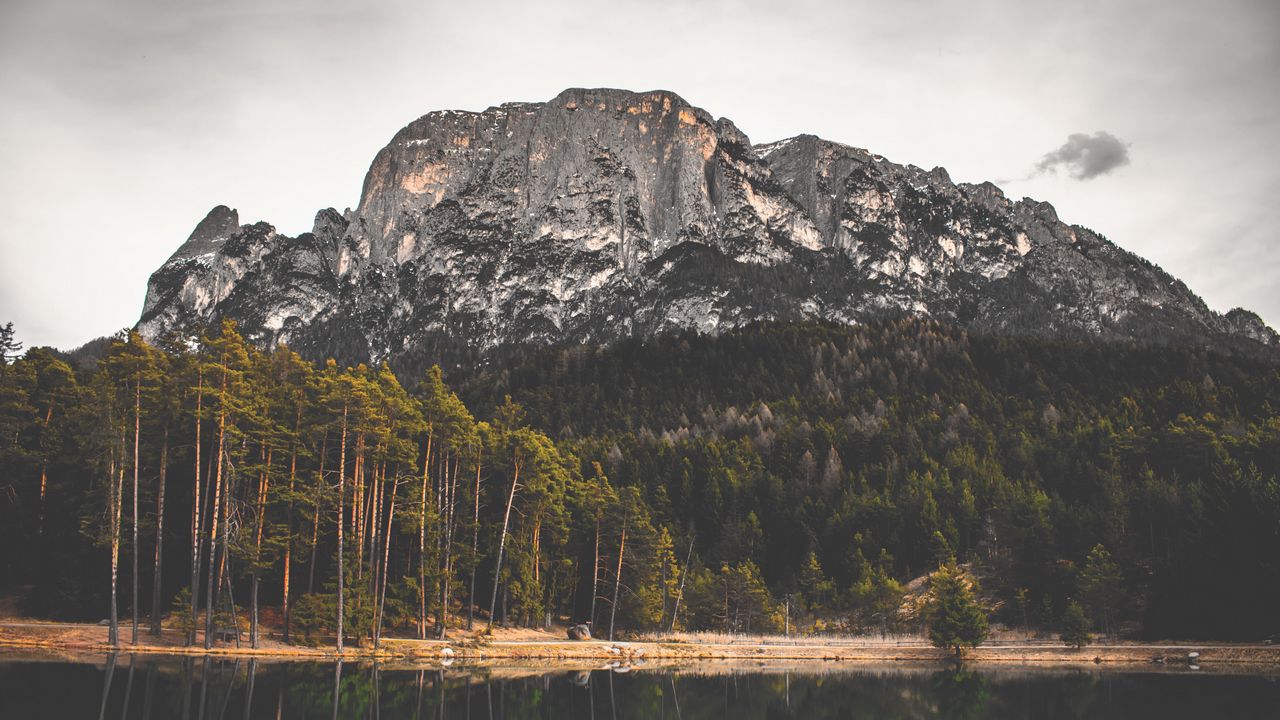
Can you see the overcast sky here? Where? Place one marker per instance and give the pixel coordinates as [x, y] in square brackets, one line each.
[122, 122]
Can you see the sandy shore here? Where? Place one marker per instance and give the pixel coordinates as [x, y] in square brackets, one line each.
[544, 649]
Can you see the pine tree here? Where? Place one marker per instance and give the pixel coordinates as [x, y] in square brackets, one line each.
[167, 410]
[813, 584]
[955, 618]
[1102, 585]
[10, 348]
[133, 365]
[228, 362]
[52, 396]
[1075, 626]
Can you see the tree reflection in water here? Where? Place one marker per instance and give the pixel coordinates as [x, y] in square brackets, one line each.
[364, 691]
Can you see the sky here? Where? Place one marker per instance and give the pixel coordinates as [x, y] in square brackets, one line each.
[122, 122]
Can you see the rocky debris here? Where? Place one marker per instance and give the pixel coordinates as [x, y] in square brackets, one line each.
[605, 214]
[580, 632]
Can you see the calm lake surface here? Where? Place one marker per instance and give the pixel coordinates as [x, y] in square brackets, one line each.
[199, 689]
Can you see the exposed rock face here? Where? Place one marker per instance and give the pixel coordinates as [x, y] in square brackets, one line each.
[603, 214]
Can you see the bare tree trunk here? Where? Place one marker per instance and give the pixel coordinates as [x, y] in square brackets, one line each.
[288, 547]
[386, 560]
[450, 509]
[44, 466]
[475, 548]
[113, 510]
[442, 501]
[215, 512]
[315, 526]
[263, 486]
[196, 502]
[358, 506]
[684, 572]
[422, 542]
[156, 610]
[216, 509]
[537, 551]
[342, 468]
[617, 584]
[372, 521]
[595, 576]
[137, 426]
[224, 560]
[502, 542]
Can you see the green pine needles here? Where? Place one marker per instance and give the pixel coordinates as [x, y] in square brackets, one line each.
[956, 620]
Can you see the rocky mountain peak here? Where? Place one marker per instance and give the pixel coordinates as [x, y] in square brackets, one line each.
[221, 223]
[605, 213]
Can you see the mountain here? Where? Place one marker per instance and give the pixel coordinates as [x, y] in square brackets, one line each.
[605, 214]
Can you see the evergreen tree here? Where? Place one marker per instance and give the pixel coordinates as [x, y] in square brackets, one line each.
[10, 348]
[813, 584]
[906, 442]
[1102, 585]
[954, 617]
[1075, 626]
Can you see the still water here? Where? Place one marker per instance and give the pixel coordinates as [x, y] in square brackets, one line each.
[198, 689]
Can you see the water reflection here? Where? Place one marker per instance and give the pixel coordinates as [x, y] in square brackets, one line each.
[218, 689]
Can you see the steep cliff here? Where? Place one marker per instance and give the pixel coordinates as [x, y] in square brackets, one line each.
[604, 214]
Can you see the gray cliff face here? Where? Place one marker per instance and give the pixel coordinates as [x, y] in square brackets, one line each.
[604, 214]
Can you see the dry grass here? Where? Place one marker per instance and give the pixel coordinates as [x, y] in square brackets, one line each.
[524, 647]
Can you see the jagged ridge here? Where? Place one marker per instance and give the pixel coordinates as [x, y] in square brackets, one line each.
[604, 214]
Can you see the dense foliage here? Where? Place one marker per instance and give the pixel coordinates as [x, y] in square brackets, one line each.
[797, 475]
[1140, 480]
[195, 477]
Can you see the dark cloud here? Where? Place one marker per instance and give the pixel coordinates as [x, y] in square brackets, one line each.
[1087, 156]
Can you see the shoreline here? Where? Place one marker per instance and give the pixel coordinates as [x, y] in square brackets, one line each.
[544, 649]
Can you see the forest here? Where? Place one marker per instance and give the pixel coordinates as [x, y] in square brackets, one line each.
[787, 475]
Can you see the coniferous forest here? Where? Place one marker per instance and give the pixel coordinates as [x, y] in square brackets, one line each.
[797, 475]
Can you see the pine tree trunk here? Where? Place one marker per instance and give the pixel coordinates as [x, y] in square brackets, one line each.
[617, 584]
[196, 502]
[386, 560]
[137, 426]
[215, 510]
[156, 610]
[375, 527]
[358, 506]
[315, 526]
[475, 548]
[684, 572]
[595, 576]
[451, 495]
[502, 542]
[224, 559]
[44, 466]
[113, 510]
[537, 552]
[422, 542]
[288, 547]
[342, 467]
[263, 488]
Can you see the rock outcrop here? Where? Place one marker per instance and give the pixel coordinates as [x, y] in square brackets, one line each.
[604, 214]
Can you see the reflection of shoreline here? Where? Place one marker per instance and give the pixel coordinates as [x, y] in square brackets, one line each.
[457, 677]
[509, 668]
[125, 687]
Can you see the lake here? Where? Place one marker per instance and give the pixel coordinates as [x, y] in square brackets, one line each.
[207, 689]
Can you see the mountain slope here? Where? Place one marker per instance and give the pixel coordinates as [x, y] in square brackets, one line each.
[605, 214]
